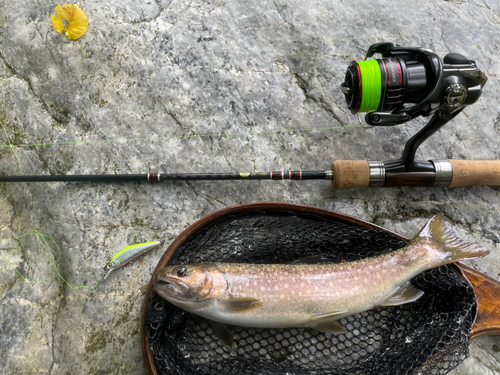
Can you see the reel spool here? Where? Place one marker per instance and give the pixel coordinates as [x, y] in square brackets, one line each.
[383, 84]
[410, 82]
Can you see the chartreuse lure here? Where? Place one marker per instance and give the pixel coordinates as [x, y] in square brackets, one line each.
[129, 254]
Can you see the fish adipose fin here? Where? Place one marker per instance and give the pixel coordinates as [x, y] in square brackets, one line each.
[223, 333]
[405, 294]
[327, 322]
[241, 305]
[440, 230]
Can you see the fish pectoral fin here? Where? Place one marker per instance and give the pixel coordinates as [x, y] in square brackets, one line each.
[241, 305]
[327, 322]
[223, 333]
[405, 294]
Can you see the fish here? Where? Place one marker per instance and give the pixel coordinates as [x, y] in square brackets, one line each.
[310, 295]
[129, 255]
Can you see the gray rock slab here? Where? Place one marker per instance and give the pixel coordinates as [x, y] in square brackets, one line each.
[176, 86]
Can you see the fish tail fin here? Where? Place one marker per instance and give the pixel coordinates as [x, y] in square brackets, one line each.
[440, 231]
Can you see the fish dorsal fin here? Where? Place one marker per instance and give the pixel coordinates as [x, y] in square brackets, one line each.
[240, 305]
[405, 294]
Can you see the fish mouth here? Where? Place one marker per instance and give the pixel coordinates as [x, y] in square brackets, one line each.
[169, 289]
[161, 282]
[165, 285]
[165, 289]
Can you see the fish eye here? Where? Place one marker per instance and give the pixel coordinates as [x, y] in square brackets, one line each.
[181, 272]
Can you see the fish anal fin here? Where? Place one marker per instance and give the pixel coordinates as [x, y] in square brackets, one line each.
[241, 305]
[223, 333]
[405, 294]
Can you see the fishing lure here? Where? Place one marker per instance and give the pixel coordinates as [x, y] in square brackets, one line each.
[129, 254]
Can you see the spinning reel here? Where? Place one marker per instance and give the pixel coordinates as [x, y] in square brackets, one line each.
[410, 82]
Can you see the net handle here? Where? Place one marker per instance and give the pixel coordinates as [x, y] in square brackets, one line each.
[488, 302]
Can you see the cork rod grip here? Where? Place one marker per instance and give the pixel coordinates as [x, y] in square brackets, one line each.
[350, 174]
[475, 172]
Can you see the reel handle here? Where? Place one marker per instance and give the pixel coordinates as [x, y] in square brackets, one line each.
[360, 174]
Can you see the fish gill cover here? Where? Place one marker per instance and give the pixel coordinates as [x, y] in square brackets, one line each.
[429, 336]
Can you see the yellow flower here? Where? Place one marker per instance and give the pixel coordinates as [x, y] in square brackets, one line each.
[77, 21]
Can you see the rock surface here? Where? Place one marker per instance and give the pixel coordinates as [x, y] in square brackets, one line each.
[176, 86]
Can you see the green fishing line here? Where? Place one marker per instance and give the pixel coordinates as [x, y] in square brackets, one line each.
[371, 79]
[180, 137]
[46, 240]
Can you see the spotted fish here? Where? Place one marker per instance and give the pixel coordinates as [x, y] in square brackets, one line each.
[311, 295]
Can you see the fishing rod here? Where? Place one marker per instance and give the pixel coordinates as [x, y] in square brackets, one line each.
[404, 84]
[161, 177]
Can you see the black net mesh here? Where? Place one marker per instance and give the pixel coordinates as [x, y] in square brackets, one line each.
[429, 336]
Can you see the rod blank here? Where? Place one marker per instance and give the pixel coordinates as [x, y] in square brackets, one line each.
[159, 177]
